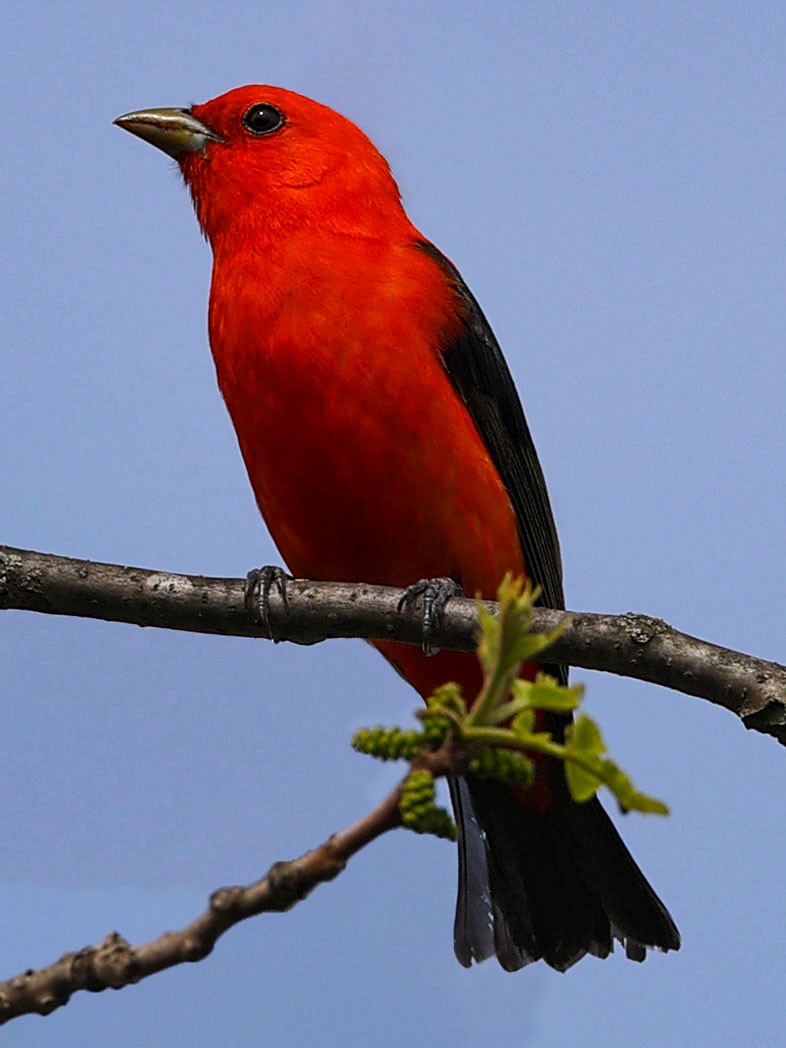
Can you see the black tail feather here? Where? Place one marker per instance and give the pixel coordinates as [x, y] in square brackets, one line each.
[555, 886]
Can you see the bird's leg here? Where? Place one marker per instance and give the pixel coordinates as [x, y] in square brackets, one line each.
[435, 593]
[259, 583]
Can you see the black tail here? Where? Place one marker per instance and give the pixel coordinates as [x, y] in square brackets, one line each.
[554, 887]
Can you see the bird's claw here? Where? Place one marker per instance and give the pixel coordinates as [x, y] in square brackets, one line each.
[435, 593]
[259, 583]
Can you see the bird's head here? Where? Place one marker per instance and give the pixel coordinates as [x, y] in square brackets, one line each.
[264, 158]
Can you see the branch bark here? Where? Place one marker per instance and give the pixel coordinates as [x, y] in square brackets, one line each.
[631, 645]
[114, 963]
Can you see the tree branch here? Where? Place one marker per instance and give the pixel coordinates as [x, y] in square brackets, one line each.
[631, 645]
[114, 963]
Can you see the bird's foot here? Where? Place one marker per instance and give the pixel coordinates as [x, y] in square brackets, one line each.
[259, 583]
[435, 593]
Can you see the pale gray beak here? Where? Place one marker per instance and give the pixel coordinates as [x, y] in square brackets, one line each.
[175, 131]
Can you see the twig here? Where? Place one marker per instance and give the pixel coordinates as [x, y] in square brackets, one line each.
[632, 645]
[114, 963]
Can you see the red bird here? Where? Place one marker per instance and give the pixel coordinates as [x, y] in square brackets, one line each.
[385, 443]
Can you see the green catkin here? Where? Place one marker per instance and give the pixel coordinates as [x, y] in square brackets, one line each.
[419, 812]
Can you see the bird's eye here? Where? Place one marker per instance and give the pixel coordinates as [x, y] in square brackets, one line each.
[263, 118]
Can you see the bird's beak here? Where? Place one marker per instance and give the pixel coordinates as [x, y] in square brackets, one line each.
[176, 131]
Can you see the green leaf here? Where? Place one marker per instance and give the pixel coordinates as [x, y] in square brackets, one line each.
[583, 783]
[545, 693]
[628, 797]
[586, 770]
[585, 743]
[585, 737]
[524, 722]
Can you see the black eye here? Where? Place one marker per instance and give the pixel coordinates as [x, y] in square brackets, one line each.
[262, 119]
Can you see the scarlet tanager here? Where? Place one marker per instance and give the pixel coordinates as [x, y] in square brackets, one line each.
[385, 443]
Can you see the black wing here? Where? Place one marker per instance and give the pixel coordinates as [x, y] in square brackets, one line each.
[478, 371]
[554, 886]
[492, 909]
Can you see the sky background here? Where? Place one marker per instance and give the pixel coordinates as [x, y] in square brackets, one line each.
[609, 178]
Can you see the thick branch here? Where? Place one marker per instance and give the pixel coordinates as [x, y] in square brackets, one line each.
[631, 645]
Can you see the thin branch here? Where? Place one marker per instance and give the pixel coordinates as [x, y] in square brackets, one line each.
[114, 963]
[631, 645]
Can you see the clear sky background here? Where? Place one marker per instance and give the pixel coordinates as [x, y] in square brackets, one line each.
[609, 178]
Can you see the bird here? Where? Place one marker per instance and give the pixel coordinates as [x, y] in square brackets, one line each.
[385, 443]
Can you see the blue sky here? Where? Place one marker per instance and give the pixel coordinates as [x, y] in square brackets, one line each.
[609, 178]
